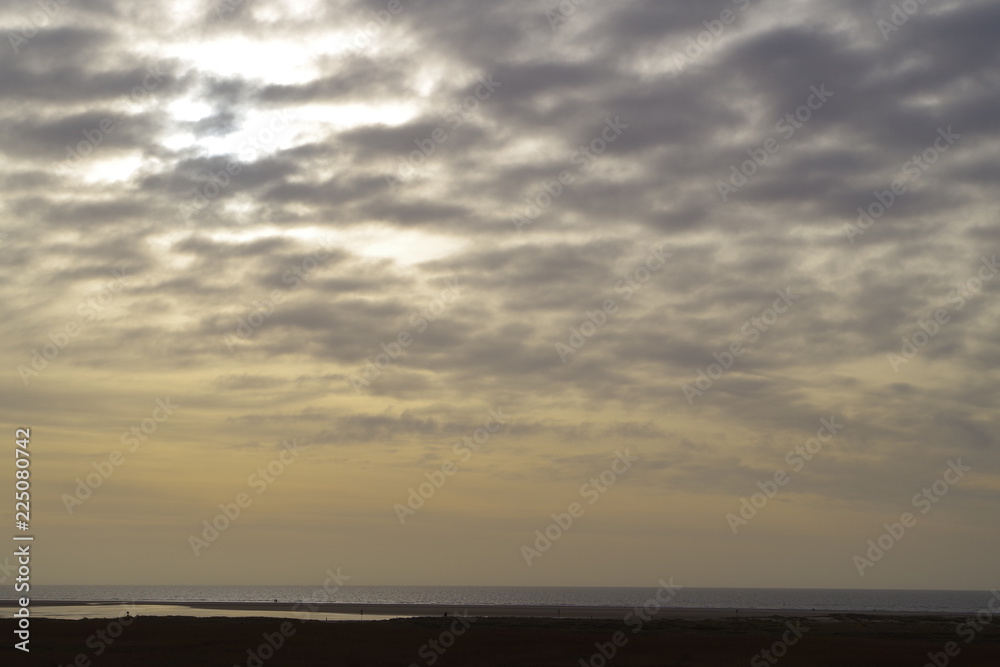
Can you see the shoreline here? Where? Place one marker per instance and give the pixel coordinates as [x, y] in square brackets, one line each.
[490, 610]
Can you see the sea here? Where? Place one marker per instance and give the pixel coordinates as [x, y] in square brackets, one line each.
[834, 600]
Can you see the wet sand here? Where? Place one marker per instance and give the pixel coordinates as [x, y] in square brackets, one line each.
[509, 636]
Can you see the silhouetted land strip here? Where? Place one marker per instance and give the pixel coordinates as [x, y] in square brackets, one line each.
[834, 640]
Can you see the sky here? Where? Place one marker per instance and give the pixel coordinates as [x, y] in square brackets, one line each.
[498, 293]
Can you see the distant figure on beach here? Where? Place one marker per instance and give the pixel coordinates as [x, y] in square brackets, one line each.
[446, 614]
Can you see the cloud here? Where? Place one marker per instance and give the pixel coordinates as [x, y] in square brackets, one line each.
[311, 247]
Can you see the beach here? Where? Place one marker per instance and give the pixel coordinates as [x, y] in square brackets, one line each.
[505, 635]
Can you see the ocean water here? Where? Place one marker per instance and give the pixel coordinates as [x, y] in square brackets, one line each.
[739, 598]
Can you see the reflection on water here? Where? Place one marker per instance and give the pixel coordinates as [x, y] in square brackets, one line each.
[462, 596]
[75, 612]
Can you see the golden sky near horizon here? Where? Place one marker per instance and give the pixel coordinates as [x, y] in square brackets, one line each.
[701, 290]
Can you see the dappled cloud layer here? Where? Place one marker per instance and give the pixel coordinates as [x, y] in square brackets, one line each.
[457, 266]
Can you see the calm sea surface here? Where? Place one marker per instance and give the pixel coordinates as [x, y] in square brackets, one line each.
[741, 598]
